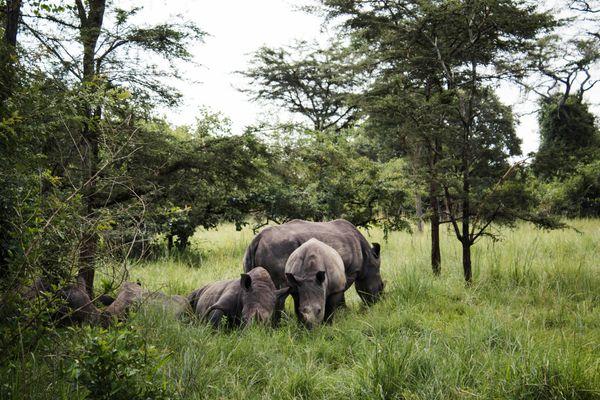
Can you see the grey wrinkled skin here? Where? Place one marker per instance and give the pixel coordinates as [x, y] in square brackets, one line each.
[317, 281]
[242, 301]
[272, 247]
[76, 307]
[132, 293]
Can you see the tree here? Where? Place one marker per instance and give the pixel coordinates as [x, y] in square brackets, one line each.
[576, 195]
[317, 176]
[320, 172]
[563, 67]
[11, 11]
[304, 80]
[110, 58]
[8, 50]
[202, 174]
[568, 137]
[409, 121]
[461, 45]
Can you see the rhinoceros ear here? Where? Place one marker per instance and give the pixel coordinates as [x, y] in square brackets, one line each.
[376, 249]
[292, 281]
[245, 281]
[320, 277]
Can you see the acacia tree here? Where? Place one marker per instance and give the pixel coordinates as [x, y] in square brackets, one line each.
[397, 110]
[308, 81]
[463, 45]
[97, 50]
[565, 62]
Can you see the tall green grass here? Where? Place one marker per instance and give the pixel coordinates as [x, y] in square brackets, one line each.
[529, 327]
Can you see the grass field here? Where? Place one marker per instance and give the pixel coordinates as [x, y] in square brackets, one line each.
[529, 327]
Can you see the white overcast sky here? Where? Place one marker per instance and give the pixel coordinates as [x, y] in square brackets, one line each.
[237, 28]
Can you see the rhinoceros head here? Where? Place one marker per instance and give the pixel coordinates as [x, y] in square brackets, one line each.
[258, 296]
[369, 284]
[311, 295]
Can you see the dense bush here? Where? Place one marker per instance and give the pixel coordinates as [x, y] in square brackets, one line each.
[322, 176]
[568, 137]
[117, 364]
[577, 195]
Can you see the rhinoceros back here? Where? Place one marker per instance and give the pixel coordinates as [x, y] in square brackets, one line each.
[272, 247]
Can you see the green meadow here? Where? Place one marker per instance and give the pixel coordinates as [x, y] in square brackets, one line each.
[528, 328]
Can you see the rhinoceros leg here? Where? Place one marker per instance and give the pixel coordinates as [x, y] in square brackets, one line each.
[215, 317]
[278, 311]
[333, 302]
[296, 305]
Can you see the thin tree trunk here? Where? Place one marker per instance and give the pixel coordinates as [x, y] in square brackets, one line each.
[12, 11]
[466, 248]
[466, 212]
[419, 212]
[87, 255]
[436, 255]
[91, 25]
[87, 258]
[170, 243]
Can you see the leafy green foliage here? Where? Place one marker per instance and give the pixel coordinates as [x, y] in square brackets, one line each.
[576, 195]
[117, 364]
[568, 136]
[446, 55]
[320, 176]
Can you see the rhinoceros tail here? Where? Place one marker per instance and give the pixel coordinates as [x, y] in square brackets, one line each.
[251, 253]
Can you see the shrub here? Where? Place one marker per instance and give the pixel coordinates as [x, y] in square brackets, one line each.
[117, 364]
[578, 195]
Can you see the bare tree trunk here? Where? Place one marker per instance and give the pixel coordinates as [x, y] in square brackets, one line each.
[91, 25]
[466, 212]
[12, 11]
[436, 255]
[466, 250]
[87, 254]
[419, 212]
[8, 59]
[170, 243]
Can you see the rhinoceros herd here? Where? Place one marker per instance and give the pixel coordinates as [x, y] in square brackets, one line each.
[314, 262]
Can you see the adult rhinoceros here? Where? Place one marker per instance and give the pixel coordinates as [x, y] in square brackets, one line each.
[272, 247]
[315, 274]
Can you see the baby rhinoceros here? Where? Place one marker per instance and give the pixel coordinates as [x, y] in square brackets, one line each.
[241, 301]
[315, 274]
